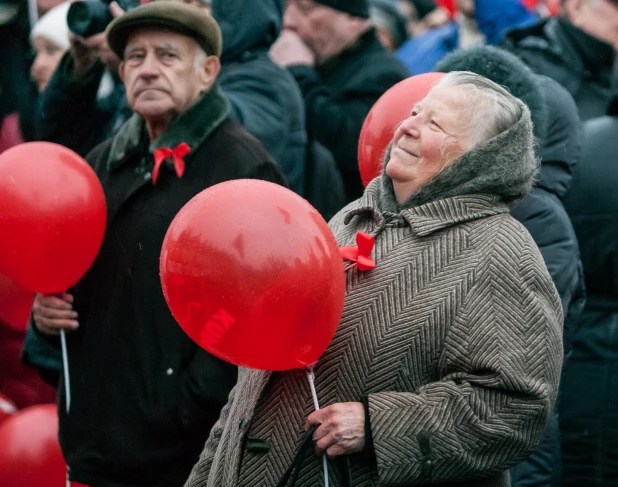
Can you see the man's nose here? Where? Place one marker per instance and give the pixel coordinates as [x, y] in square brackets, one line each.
[290, 17]
[149, 67]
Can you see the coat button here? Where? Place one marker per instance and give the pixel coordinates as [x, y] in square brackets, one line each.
[169, 371]
[147, 176]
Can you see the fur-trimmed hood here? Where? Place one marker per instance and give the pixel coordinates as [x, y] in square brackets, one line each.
[504, 166]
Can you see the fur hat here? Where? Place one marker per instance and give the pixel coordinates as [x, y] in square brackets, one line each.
[53, 26]
[176, 16]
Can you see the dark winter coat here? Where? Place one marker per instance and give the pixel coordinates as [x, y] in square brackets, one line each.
[265, 98]
[338, 96]
[453, 341]
[70, 113]
[557, 127]
[590, 393]
[144, 395]
[576, 60]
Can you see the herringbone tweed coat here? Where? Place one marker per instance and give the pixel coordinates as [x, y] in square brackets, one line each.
[454, 339]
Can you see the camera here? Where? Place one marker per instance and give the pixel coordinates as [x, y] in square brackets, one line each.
[90, 17]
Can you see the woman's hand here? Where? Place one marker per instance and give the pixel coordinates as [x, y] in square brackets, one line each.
[341, 429]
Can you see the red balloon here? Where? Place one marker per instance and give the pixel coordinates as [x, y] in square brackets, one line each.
[449, 5]
[253, 274]
[387, 113]
[30, 454]
[15, 304]
[7, 408]
[53, 207]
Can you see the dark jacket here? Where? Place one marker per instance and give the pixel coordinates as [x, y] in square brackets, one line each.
[144, 395]
[592, 205]
[542, 211]
[70, 112]
[588, 406]
[576, 60]
[265, 98]
[338, 96]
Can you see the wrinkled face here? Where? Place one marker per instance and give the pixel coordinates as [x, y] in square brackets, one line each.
[432, 137]
[48, 56]
[323, 29]
[599, 18]
[163, 73]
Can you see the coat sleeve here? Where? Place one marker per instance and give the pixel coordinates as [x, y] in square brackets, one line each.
[337, 123]
[500, 369]
[67, 112]
[201, 470]
[260, 101]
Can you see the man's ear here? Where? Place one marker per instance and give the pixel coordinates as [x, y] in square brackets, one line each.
[211, 66]
[121, 67]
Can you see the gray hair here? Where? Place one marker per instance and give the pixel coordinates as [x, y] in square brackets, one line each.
[200, 55]
[492, 109]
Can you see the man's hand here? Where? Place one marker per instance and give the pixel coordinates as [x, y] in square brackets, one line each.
[289, 49]
[341, 430]
[86, 51]
[53, 313]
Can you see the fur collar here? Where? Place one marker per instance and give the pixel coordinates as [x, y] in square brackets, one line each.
[193, 127]
[504, 167]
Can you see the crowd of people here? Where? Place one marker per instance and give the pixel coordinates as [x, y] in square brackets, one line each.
[480, 351]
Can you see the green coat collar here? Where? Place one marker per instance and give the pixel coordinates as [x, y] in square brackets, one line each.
[192, 127]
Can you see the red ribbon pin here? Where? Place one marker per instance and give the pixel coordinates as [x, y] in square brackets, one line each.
[177, 154]
[360, 254]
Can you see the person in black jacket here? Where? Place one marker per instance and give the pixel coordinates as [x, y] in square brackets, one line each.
[557, 128]
[341, 68]
[144, 395]
[576, 49]
[264, 98]
[590, 388]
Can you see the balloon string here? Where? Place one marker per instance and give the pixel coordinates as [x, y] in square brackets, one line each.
[65, 366]
[316, 405]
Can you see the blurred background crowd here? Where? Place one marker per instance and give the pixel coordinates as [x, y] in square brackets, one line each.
[302, 79]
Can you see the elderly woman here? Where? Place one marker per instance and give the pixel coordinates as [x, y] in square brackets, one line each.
[445, 365]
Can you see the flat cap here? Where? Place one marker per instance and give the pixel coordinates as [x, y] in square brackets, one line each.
[172, 15]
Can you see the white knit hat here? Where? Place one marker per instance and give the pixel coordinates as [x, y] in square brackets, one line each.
[53, 26]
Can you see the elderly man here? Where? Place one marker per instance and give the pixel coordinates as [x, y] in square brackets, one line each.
[144, 396]
[577, 49]
[342, 69]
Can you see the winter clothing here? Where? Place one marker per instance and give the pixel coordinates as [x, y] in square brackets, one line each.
[492, 17]
[453, 341]
[70, 112]
[589, 398]
[53, 26]
[265, 97]
[423, 7]
[183, 18]
[576, 60]
[338, 96]
[385, 15]
[355, 8]
[556, 125]
[144, 395]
